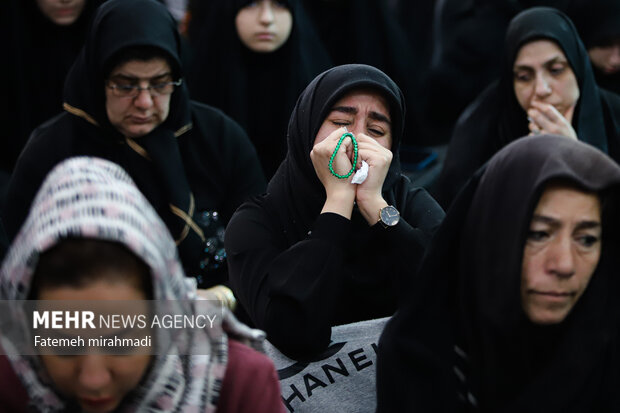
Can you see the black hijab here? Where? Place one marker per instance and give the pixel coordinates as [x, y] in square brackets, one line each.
[258, 90]
[39, 55]
[495, 118]
[295, 186]
[467, 293]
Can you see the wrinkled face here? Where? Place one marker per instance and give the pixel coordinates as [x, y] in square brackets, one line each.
[264, 26]
[561, 252]
[98, 382]
[361, 111]
[61, 12]
[607, 57]
[542, 73]
[137, 116]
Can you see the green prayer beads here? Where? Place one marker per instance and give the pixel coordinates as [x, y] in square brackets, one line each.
[331, 159]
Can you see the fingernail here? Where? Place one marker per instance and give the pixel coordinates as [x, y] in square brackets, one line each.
[345, 129]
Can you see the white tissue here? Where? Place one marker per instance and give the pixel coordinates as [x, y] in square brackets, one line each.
[361, 174]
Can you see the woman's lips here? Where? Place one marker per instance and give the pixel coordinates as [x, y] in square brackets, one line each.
[552, 295]
[140, 120]
[70, 11]
[96, 402]
[265, 36]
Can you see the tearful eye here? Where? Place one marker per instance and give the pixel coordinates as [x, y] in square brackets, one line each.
[341, 123]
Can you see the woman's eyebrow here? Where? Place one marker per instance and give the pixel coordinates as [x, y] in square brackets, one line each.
[554, 59]
[350, 110]
[137, 79]
[588, 225]
[585, 224]
[379, 116]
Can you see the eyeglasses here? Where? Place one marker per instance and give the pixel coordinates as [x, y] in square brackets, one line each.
[132, 90]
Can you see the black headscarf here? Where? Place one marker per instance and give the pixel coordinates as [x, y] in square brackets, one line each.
[468, 294]
[114, 29]
[39, 54]
[295, 184]
[495, 118]
[258, 90]
[186, 165]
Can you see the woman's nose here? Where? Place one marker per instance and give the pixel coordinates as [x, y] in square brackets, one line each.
[144, 100]
[542, 86]
[266, 13]
[94, 374]
[560, 259]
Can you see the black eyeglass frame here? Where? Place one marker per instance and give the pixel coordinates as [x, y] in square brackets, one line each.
[133, 91]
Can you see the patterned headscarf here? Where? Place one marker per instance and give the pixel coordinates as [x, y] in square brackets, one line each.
[95, 199]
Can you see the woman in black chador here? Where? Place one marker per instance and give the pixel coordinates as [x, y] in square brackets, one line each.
[125, 101]
[515, 306]
[547, 86]
[252, 60]
[318, 251]
[43, 38]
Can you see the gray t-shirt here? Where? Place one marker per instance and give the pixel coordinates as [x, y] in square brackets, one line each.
[341, 379]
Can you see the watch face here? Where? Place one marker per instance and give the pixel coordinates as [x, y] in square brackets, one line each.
[390, 216]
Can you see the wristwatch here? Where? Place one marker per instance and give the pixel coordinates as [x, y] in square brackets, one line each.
[389, 216]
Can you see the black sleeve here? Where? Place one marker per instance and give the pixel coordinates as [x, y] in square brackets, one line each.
[406, 243]
[288, 292]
